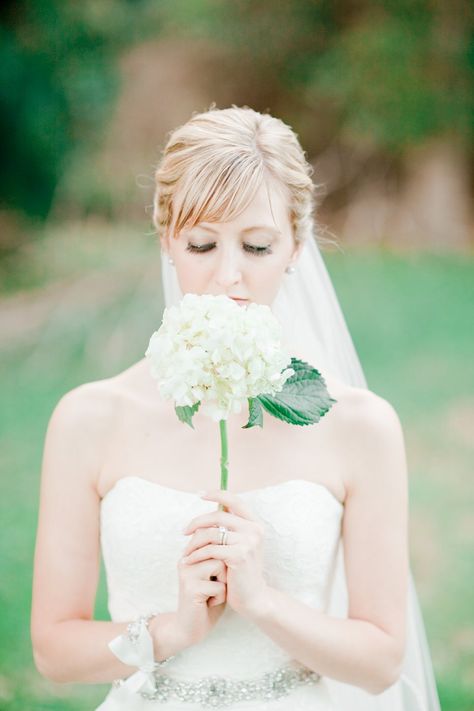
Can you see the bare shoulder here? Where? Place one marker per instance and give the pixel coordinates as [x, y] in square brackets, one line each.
[365, 410]
[88, 414]
[78, 433]
[370, 428]
[374, 439]
[364, 416]
[87, 407]
[94, 404]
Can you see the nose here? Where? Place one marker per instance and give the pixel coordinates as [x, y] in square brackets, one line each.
[228, 268]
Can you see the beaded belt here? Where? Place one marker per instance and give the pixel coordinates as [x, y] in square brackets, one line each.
[216, 691]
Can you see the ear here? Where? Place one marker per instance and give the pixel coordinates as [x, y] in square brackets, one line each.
[296, 252]
[165, 243]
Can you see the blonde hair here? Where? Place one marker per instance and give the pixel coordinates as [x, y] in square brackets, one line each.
[212, 166]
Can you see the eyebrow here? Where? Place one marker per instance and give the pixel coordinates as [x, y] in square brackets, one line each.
[246, 230]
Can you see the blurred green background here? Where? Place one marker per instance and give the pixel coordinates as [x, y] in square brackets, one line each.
[380, 96]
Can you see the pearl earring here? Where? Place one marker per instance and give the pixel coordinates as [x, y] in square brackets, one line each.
[290, 269]
[164, 254]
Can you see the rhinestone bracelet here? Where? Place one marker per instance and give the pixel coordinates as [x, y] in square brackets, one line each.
[133, 633]
[218, 692]
[135, 648]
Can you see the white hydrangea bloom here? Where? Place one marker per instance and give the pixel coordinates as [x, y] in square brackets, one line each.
[211, 350]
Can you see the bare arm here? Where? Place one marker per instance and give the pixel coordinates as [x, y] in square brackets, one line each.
[68, 645]
[367, 648]
[77, 651]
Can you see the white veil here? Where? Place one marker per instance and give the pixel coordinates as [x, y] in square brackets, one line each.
[309, 311]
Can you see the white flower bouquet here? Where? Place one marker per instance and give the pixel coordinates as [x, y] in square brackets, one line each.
[212, 354]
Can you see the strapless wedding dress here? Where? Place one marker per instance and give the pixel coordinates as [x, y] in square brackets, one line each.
[142, 540]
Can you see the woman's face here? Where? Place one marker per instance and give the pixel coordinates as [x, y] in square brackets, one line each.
[244, 258]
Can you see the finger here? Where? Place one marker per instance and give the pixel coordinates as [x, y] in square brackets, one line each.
[213, 601]
[216, 518]
[211, 588]
[219, 570]
[222, 574]
[232, 501]
[206, 569]
[219, 552]
[217, 599]
[204, 536]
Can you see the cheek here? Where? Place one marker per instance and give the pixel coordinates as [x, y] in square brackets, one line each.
[280, 262]
[273, 273]
[192, 273]
[266, 281]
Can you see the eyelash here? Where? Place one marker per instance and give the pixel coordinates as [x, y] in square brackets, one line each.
[201, 249]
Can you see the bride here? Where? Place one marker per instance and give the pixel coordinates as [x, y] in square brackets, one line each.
[307, 601]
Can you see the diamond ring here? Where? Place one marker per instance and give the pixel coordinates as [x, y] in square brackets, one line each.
[223, 535]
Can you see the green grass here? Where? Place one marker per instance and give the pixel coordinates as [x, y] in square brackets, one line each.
[410, 319]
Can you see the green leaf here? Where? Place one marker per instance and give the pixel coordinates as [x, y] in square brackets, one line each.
[185, 413]
[304, 398]
[255, 414]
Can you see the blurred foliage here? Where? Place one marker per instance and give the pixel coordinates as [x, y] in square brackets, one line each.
[58, 79]
[394, 86]
[389, 73]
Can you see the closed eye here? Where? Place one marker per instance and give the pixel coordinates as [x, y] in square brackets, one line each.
[253, 249]
[200, 247]
[258, 250]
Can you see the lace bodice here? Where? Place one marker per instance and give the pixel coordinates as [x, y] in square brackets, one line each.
[142, 540]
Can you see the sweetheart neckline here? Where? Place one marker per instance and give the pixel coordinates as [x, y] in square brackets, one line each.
[241, 493]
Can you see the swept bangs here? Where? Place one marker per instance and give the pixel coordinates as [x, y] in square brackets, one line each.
[213, 165]
[217, 187]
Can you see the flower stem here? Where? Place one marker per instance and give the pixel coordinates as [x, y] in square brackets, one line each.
[224, 457]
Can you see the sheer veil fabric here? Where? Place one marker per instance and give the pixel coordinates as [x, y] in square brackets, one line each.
[312, 321]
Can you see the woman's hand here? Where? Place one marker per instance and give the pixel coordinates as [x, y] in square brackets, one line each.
[200, 600]
[242, 554]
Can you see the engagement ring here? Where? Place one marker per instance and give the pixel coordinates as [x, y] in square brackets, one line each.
[223, 535]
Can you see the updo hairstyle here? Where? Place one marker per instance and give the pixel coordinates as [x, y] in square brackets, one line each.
[212, 166]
